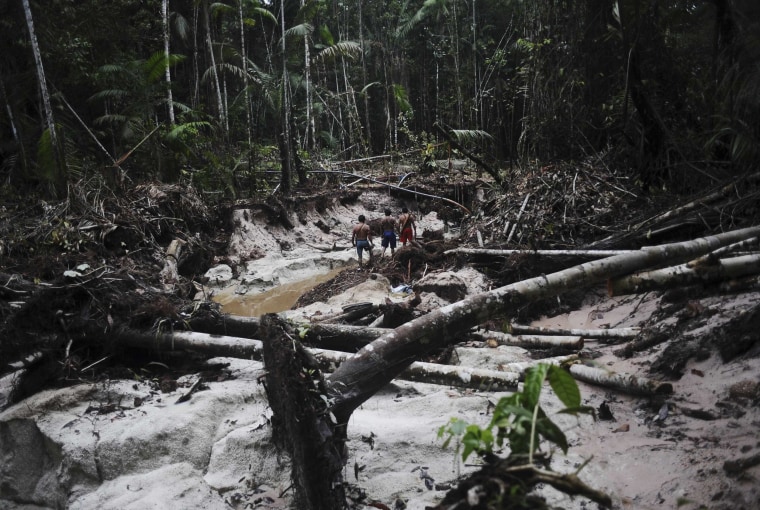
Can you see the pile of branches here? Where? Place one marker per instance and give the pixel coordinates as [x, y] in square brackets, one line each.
[588, 205]
[90, 265]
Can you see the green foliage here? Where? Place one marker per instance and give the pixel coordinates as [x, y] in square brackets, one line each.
[518, 420]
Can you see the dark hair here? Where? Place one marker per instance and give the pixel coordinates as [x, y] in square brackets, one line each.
[387, 212]
[404, 209]
[362, 218]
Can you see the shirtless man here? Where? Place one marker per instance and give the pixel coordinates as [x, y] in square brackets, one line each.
[407, 225]
[388, 226]
[361, 237]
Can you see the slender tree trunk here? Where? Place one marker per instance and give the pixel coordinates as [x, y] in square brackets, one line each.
[196, 57]
[217, 86]
[59, 175]
[244, 57]
[167, 71]
[309, 132]
[285, 138]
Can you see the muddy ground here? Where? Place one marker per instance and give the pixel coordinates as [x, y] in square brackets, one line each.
[98, 263]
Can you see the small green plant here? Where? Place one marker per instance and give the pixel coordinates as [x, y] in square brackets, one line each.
[518, 419]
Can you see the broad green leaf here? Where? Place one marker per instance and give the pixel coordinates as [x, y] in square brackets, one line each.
[551, 432]
[564, 386]
[534, 380]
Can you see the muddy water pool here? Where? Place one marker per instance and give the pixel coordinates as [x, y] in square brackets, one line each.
[277, 299]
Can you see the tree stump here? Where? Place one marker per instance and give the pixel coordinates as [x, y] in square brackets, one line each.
[302, 424]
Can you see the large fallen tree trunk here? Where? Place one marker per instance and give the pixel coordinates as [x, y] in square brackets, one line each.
[362, 375]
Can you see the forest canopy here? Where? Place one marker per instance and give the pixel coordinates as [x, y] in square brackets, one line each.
[223, 93]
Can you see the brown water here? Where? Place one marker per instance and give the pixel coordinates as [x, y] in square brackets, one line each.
[277, 299]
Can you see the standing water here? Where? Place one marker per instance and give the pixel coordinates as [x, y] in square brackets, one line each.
[274, 300]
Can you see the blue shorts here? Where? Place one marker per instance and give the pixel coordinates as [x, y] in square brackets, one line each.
[362, 245]
[389, 239]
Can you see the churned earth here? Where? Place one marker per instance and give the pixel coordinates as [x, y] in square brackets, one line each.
[135, 442]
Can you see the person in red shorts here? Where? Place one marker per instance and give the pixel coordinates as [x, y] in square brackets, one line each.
[407, 226]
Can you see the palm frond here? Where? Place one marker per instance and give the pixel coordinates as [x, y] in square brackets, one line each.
[219, 8]
[465, 136]
[180, 25]
[109, 94]
[265, 14]
[301, 30]
[187, 128]
[348, 49]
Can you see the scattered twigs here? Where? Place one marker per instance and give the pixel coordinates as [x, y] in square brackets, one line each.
[651, 224]
[568, 483]
[626, 383]
[392, 186]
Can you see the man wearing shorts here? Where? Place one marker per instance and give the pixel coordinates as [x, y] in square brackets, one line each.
[407, 226]
[361, 237]
[388, 226]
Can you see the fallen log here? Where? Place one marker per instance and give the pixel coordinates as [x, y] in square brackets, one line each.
[342, 337]
[585, 333]
[591, 254]
[370, 369]
[326, 360]
[626, 383]
[685, 274]
[574, 343]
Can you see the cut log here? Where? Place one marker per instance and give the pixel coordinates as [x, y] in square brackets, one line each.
[574, 343]
[686, 274]
[585, 333]
[362, 375]
[626, 383]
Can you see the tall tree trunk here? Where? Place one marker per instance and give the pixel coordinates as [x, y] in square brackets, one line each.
[167, 71]
[309, 131]
[59, 176]
[286, 156]
[244, 57]
[217, 85]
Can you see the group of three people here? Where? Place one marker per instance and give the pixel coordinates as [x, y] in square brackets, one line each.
[361, 235]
